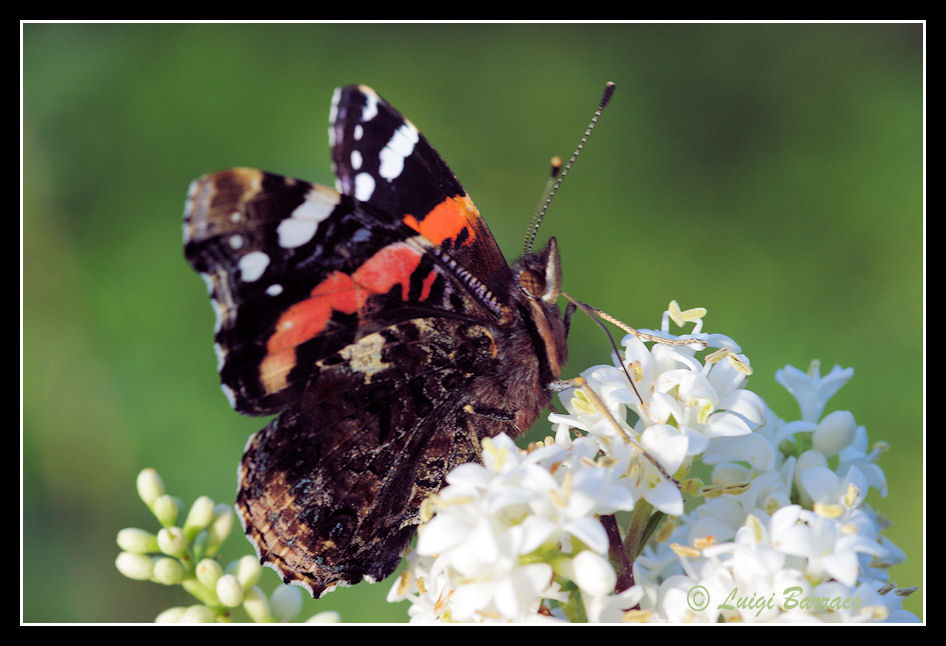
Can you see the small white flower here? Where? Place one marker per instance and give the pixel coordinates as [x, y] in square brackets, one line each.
[858, 454]
[752, 448]
[611, 608]
[830, 548]
[593, 574]
[811, 390]
[825, 488]
[596, 579]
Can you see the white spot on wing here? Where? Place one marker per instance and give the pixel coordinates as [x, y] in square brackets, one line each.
[274, 290]
[303, 222]
[252, 266]
[370, 111]
[397, 150]
[364, 186]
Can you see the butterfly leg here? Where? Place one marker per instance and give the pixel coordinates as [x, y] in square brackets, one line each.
[496, 414]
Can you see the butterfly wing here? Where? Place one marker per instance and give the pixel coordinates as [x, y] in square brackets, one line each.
[368, 340]
[381, 158]
[297, 272]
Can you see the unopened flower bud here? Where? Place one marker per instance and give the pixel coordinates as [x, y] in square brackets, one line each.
[166, 510]
[835, 432]
[201, 514]
[247, 570]
[198, 615]
[286, 602]
[208, 571]
[256, 606]
[135, 566]
[219, 528]
[168, 571]
[150, 486]
[139, 541]
[171, 541]
[229, 591]
[171, 615]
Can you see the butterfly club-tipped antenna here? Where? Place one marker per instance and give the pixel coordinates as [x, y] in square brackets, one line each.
[558, 175]
[559, 172]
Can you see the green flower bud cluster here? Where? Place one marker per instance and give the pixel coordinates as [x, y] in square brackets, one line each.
[186, 554]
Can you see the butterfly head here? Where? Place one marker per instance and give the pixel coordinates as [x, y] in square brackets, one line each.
[540, 274]
[540, 278]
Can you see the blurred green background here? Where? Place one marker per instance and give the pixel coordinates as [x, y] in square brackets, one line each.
[772, 173]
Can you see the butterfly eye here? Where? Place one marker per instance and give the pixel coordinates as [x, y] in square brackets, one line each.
[532, 282]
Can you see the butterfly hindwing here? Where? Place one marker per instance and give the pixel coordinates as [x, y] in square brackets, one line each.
[376, 439]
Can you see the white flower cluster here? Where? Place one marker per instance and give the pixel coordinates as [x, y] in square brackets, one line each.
[781, 532]
[797, 542]
[506, 530]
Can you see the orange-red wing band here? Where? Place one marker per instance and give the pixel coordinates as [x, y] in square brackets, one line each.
[390, 266]
[446, 220]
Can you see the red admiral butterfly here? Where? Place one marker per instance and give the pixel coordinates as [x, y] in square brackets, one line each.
[384, 326]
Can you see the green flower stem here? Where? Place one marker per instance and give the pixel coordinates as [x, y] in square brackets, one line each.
[206, 596]
[635, 540]
[653, 524]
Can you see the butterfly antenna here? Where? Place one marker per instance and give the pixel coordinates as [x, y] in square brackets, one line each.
[556, 168]
[559, 173]
[590, 311]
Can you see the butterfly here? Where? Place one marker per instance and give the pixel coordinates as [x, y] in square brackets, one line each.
[381, 324]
